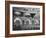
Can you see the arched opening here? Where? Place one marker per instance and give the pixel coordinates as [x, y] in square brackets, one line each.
[28, 21]
[17, 21]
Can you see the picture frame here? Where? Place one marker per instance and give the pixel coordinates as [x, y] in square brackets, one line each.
[25, 11]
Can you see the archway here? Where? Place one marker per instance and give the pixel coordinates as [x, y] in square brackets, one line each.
[28, 21]
[18, 20]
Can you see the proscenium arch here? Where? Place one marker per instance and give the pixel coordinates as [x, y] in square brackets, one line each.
[18, 20]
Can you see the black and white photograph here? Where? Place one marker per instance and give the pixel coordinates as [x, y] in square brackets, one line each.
[25, 18]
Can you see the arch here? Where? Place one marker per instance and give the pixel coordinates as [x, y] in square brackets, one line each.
[28, 21]
[18, 20]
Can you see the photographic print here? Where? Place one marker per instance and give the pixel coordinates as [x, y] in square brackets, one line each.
[25, 19]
